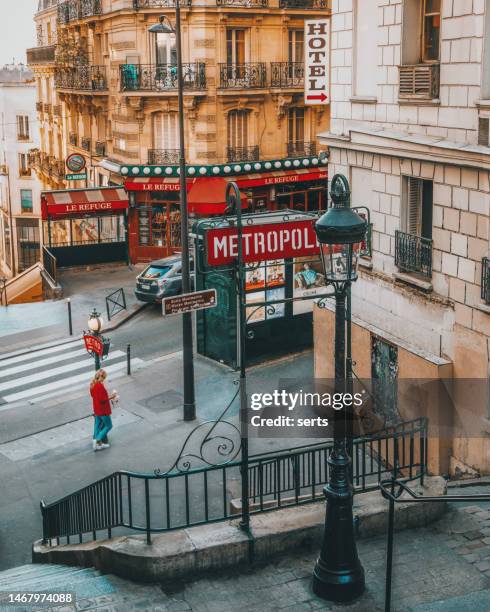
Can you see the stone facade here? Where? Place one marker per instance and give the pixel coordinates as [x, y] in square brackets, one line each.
[433, 133]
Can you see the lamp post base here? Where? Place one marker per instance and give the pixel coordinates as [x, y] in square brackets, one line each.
[342, 586]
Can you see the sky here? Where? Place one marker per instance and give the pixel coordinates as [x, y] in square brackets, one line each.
[17, 30]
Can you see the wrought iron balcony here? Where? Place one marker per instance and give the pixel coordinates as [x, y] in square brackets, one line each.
[57, 167]
[287, 74]
[100, 148]
[142, 4]
[48, 108]
[82, 78]
[72, 10]
[420, 81]
[74, 139]
[242, 154]
[240, 3]
[243, 76]
[485, 280]
[413, 254]
[304, 4]
[41, 55]
[86, 142]
[157, 157]
[366, 249]
[300, 147]
[161, 77]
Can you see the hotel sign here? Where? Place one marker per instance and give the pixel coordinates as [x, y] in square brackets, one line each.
[317, 61]
[262, 242]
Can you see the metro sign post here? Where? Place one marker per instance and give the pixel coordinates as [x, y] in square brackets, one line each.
[317, 61]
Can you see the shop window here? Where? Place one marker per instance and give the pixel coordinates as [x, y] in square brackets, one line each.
[159, 225]
[112, 229]
[22, 127]
[296, 46]
[85, 230]
[60, 233]
[26, 200]
[28, 244]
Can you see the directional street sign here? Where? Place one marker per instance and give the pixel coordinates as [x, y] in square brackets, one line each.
[76, 177]
[188, 302]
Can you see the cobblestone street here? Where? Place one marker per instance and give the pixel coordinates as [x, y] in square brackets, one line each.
[444, 567]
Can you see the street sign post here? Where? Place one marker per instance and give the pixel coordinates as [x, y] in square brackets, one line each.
[188, 302]
[317, 61]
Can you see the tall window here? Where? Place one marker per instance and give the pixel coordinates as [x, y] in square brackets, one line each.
[418, 207]
[22, 127]
[24, 168]
[28, 243]
[26, 200]
[237, 129]
[166, 51]
[235, 46]
[431, 30]
[296, 126]
[366, 60]
[296, 49]
[165, 131]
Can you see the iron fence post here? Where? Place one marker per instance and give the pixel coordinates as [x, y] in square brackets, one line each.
[128, 356]
[70, 321]
[389, 552]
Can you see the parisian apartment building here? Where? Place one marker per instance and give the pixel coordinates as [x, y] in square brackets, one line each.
[410, 129]
[107, 93]
[20, 214]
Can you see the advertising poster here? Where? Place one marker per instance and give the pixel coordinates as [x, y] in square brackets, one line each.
[309, 280]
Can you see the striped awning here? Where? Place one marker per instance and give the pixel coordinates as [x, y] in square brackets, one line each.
[83, 202]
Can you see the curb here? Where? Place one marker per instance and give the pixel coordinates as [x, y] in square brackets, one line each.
[190, 551]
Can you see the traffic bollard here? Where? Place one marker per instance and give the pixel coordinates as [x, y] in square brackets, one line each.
[70, 321]
[128, 355]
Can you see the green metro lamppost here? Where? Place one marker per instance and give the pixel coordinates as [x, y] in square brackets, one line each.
[338, 574]
[165, 27]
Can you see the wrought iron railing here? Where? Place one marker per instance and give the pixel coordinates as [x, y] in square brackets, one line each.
[161, 77]
[419, 81]
[57, 110]
[47, 108]
[157, 157]
[74, 139]
[243, 76]
[155, 502]
[72, 10]
[100, 148]
[413, 253]
[242, 154]
[84, 78]
[86, 143]
[57, 167]
[304, 4]
[485, 280]
[49, 264]
[287, 74]
[142, 4]
[240, 3]
[367, 245]
[40, 55]
[300, 147]
[39, 107]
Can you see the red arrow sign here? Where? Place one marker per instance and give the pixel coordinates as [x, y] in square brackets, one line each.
[322, 97]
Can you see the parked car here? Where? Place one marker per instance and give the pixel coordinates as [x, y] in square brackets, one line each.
[160, 279]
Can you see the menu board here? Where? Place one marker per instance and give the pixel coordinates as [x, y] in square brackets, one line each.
[144, 226]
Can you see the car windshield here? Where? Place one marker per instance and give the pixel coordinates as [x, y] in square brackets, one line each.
[155, 272]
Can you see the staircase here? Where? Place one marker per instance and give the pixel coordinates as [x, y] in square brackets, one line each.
[86, 584]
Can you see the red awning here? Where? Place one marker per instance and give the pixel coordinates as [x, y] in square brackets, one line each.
[208, 196]
[83, 202]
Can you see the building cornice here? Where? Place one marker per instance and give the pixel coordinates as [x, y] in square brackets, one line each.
[410, 146]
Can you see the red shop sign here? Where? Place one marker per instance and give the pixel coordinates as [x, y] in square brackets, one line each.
[94, 344]
[262, 242]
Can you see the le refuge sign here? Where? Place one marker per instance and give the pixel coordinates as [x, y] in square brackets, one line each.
[317, 61]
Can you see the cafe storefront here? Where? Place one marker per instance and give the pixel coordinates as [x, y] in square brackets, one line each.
[86, 226]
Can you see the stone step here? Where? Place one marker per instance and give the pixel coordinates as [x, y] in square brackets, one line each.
[60, 583]
[36, 572]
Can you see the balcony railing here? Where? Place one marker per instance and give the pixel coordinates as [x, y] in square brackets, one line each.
[419, 81]
[287, 74]
[485, 280]
[413, 254]
[240, 3]
[100, 149]
[57, 110]
[243, 76]
[304, 4]
[83, 78]
[300, 147]
[242, 154]
[74, 139]
[48, 108]
[366, 249]
[39, 107]
[142, 4]
[157, 157]
[57, 167]
[72, 10]
[162, 77]
[40, 55]
[86, 142]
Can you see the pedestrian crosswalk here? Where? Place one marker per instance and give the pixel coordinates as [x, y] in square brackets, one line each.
[40, 374]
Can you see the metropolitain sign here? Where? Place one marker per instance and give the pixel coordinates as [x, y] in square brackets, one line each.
[317, 61]
[262, 242]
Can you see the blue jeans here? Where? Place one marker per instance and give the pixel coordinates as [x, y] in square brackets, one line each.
[102, 426]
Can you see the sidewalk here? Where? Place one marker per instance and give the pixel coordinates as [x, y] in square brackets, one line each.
[22, 325]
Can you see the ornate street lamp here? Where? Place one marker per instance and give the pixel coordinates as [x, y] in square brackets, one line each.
[164, 26]
[95, 324]
[338, 574]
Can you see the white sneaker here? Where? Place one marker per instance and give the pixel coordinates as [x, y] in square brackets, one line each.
[98, 447]
[105, 445]
[94, 444]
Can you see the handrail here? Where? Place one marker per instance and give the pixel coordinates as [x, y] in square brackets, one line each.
[392, 490]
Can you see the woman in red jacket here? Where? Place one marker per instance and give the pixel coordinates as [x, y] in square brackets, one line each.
[102, 410]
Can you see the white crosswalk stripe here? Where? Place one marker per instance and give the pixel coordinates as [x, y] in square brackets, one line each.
[48, 372]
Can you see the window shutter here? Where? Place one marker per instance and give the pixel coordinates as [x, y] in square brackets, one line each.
[414, 206]
[483, 131]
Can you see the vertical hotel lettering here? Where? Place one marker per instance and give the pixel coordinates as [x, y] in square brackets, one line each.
[317, 61]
